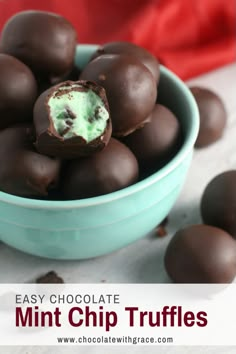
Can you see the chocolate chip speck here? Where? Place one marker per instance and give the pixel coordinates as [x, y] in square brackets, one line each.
[90, 120]
[70, 114]
[66, 130]
[97, 112]
[69, 122]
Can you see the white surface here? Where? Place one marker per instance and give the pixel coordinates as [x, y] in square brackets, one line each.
[141, 262]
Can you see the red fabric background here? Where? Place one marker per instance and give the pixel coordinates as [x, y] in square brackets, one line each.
[188, 36]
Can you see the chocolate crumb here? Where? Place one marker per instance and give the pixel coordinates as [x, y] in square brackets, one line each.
[160, 230]
[50, 278]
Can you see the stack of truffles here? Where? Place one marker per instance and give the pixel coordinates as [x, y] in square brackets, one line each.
[67, 134]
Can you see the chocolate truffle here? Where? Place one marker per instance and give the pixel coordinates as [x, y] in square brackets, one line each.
[130, 87]
[72, 120]
[50, 278]
[132, 49]
[18, 91]
[201, 254]
[155, 143]
[213, 116]
[218, 204]
[23, 171]
[109, 170]
[44, 41]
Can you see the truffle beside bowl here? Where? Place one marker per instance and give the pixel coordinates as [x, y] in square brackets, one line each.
[96, 226]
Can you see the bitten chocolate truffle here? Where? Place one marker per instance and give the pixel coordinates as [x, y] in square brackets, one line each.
[218, 204]
[72, 120]
[132, 49]
[158, 141]
[213, 116]
[18, 91]
[130, 87]
[44, 41]
[201, 254]
[23, 171]
[109, 170]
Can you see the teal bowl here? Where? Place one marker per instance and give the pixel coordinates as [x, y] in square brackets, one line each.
[96, 226]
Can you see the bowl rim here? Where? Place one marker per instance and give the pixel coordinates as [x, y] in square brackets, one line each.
[165, 170]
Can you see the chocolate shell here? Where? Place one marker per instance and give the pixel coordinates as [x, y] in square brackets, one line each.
[24, 172]
[130, 87]
[213, 116]
[18, 91]
[142, 54]
[157, 141]
[218, 203]
[201, 254]
[44, 41]
[109, 170]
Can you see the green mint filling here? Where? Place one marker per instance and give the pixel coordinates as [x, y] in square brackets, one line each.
[78, 114]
